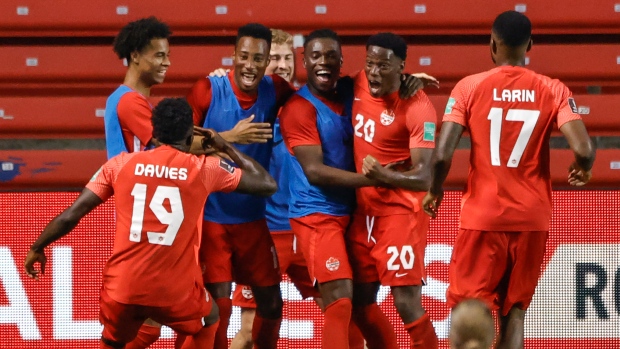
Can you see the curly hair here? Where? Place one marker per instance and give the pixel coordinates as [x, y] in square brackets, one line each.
[513, 27]
[322, 34]
[256, 31]
[172, 120]
[136, 35]
[389, 41]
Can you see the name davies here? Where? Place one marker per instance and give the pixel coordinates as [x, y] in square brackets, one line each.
[513, 95]
[160, 171]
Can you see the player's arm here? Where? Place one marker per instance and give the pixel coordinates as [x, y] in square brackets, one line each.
[310, 158]
[418, 178]
[134, 116]
[412, 83]
[60, 226]
[582, 146]
[254, 178]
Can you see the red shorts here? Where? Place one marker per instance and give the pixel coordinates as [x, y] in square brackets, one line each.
[292, 262]
[321, 240]
[389, 249]
[121, 322]
[243, 253]
[500, 268]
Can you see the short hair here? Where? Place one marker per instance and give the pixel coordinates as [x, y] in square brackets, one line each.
[136, 35]
[472, 325]
[389, 41]
[280, 37]
[324, 33]
[513, 28]
[254, 30]
[172, 120]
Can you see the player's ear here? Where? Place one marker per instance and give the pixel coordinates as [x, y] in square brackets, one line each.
[529, 45]
[135, 57]
[493, 46]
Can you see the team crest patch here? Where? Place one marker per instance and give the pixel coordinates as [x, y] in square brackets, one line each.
[449, 106]
[387, 117]
[96, 174]
[429, 131]
[332, 264]
[573, 105]
[246, 292]
[226, 166]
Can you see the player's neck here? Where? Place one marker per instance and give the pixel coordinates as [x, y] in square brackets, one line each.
[132, 79]
[329, 95]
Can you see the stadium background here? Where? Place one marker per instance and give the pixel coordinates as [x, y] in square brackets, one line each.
[58, 68]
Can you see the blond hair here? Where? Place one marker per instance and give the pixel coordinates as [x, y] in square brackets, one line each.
[280, 37]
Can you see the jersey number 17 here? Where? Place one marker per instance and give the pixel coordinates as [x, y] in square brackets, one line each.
[528, 117]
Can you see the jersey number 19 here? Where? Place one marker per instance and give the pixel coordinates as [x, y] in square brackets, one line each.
[173, 219]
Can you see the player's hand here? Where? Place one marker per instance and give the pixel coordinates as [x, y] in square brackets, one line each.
[431, 203]
[247, 132]
[212, 142]
[372, 169]
[219, 73]
[577, 176]
[32, 258]
[412, 83]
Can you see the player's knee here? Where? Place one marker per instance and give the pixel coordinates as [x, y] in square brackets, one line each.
[219, 290]
[214, 315]
[269, 302]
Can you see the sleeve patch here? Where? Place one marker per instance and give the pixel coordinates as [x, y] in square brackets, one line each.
[573, 105]
[94, 177]
[429, 132]
[449, 106]
[226, 166]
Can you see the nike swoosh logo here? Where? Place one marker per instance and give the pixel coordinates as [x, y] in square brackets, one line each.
[399, 275]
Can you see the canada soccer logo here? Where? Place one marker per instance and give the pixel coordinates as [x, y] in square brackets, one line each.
[246, 292]
[332, 264]
[387, 117]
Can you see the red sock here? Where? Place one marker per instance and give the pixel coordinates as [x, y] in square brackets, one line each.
[204, 339]
[147, 335]
[265, 332]
[375, 326]
[422, 333]
[336, 326]
[356, 340]
[225, 305]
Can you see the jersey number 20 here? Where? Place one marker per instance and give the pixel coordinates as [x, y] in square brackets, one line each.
[173, 219]
[529, 118]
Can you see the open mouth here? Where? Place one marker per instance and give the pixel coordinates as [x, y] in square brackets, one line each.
[374, 85]
[323, 75]
[247, 78]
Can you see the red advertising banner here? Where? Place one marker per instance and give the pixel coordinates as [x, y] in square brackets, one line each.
[577, 302]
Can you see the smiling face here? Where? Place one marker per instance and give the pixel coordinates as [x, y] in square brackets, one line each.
[153, 61]
[383, 70]
[281, 61]
[322, 60]
[251, 59]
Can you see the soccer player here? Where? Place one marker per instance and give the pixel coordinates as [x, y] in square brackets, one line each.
[387, 236]
[237, 244]
[158, 243]
[509, 112]
[144, 45]
[316, 125]
[471, 326]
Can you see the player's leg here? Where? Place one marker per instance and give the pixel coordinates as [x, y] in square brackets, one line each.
[372, 322]
[244, 298]
[121, 322]
[399, 253]
[215, 259]
[526, 251]
[148, 334]
[321, 240]
[256, 264]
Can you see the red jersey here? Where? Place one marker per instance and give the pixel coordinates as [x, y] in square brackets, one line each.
[509, 112]
[298, 121]
[199, 96]
[160, 195]
[134, 115]
[388, 128]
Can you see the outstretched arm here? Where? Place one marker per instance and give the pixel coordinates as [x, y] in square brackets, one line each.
[60, 226]
[446, 145]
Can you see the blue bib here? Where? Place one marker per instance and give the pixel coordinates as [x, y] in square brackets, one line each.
[114, 142]
[279, 168]
[336, 134]
[223, 114]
